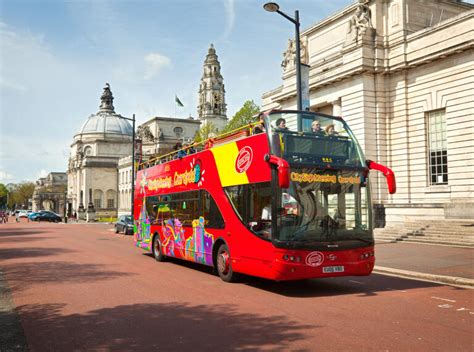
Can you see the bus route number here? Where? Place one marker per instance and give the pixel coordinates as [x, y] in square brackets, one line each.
[327, 160]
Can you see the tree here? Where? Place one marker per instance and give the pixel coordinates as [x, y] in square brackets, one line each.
[20, 194]
[243, 117]
[3, 195]
[203, 133]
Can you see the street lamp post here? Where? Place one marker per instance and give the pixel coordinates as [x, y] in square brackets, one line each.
[274, 7]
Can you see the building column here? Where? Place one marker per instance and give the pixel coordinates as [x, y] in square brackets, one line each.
[336, 107]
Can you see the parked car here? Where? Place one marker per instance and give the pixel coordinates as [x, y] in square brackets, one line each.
[24, 213]
[33, 215]
[47, 216]
[124, 224]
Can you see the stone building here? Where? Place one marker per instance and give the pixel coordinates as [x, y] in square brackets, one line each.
[401, 73]
[103, 139]
[212, 107]
[157, 136]
[50, 193]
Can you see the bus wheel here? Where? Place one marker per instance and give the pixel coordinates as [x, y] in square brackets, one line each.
[157, 250]
[224, 265]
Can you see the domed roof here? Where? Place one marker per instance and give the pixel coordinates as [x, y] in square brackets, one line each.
[106, 120]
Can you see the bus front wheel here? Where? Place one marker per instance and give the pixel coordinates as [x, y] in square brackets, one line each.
[224, 264]
[157, 249]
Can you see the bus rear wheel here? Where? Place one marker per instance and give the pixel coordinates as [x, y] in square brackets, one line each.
[157, 249]
[224, 264]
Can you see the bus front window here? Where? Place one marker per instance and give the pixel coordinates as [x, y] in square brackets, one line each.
[325, 207]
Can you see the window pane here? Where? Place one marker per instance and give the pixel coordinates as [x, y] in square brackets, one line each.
[438, 161]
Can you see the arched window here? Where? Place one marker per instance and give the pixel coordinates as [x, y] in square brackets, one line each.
[111, 199]
[98, 195]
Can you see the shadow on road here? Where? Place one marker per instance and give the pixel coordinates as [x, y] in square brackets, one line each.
[33, 252]
[24, 239]
[159, 327]
[365, 286]
[18, 232]
[358, 285]
[39, 273]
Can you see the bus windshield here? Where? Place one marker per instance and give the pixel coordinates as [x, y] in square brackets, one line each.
[313, 139]
[321, 207]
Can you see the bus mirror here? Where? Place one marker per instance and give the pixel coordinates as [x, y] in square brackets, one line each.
[283, 170]
[388, 173]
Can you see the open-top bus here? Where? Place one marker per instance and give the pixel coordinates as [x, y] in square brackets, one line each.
[285, 204]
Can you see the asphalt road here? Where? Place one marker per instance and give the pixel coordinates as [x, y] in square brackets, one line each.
[79, 287]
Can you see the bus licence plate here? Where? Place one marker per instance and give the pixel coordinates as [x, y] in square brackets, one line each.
[333, 269]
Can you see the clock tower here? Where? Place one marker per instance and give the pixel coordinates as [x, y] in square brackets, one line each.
[212, 107]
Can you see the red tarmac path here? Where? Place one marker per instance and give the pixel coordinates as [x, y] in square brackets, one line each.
[79, 287]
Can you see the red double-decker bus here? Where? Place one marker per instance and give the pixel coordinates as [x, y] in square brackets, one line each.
[290, 203]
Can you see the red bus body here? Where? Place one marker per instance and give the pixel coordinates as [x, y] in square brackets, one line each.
[235, 162]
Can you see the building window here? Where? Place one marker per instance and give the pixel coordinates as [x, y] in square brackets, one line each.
[110, 203]
[437, 148]
[98, 196]
[97, 203]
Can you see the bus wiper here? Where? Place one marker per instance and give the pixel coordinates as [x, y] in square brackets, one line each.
[363, 240]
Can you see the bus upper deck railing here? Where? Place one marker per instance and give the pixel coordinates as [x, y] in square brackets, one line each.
[234, 135]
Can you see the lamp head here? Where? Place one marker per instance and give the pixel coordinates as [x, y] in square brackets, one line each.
[271, 7]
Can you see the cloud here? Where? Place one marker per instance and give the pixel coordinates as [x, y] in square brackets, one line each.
[42, 173]
[5, 176]
[230, 18]
[154, 64]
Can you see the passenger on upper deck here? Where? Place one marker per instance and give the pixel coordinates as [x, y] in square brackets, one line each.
[259, 127]
[330, 131]
[281, 124]
[316, 128]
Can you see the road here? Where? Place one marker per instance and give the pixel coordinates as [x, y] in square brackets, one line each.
[80, 287]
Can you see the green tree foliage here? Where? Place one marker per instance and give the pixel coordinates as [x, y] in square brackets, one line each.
[243, 117]
[20, 194]
[203, 133]
[3, 195]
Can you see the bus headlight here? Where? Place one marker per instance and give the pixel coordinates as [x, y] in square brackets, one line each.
[291, 258]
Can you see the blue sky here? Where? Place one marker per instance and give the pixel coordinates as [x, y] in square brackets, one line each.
[55, 57]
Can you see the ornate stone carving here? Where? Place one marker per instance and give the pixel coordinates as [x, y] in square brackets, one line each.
[145, 134]
[107, 99]
[360, 23]
[289, 55]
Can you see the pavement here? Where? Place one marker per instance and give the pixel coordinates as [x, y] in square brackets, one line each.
[428, 262]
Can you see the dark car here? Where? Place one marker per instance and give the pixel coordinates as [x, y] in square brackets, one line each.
[124, 224]
[47, 216]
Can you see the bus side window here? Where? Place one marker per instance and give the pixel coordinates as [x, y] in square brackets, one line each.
[212, 214]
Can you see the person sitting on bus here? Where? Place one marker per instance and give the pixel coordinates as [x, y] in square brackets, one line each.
[281, 124]
[330, 131]
[316, 128]
[192, 149]
[259, 127]
[183, 151]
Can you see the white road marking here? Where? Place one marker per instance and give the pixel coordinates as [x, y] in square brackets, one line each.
[356, 282]
[461, 309]
[443, 299]
[445, 306]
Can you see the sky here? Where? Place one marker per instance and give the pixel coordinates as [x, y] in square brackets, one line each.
[56, 56]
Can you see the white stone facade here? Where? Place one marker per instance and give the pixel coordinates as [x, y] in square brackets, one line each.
[92, 171]
[405, 85]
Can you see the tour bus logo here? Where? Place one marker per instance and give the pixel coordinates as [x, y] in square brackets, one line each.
[244, 159]
[314, 259]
